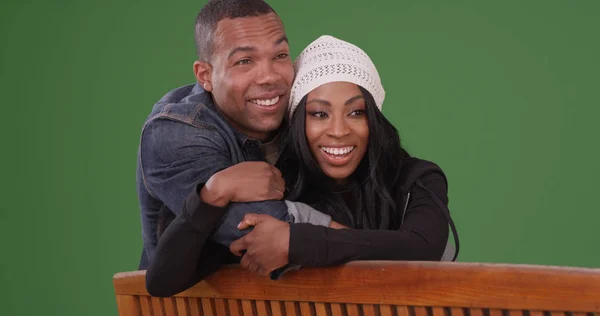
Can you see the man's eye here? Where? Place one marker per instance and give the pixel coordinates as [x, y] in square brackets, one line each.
[283, 56]
[244, 61]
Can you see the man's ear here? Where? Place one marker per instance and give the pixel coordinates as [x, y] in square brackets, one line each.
[203, 73]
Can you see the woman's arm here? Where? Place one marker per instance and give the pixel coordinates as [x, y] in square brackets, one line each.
[184, 254]
[422, 236]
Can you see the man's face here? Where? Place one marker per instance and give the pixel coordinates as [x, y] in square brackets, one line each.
[252, 73]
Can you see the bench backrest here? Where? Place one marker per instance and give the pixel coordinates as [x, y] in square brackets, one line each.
[377, 288]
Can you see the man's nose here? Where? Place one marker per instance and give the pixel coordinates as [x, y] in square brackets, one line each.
[267, 74]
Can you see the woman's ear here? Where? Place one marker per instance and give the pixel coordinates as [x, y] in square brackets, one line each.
[202, 72]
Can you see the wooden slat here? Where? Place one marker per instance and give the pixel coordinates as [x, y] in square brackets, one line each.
[182, 306]
[474, 285]
[146, 305]
[512, 313]
[402, 310]
[247, 307]
[495, 312]
[158, 306]
[261, 308]
[579, 314]
[420, 311]
[207, 306]
[290, 309]
[438, 311]
[276, 308]
[337, 309]
[170, 306]
[194, 306]
[234, 308]
[128, 305]
[352, 309]
[369, 310]
[556, 313]
[220, 307]
[305, 309]
[320, 309]
[386, 310]
[455, 311]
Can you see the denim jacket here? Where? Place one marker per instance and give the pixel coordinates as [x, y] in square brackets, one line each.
[184, 141]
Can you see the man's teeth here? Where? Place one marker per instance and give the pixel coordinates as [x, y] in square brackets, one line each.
[337, 151]
[266, 102]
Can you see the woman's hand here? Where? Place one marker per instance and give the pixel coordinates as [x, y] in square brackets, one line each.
[336, 225]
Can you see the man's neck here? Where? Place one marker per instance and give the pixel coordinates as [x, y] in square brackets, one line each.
[271, 149]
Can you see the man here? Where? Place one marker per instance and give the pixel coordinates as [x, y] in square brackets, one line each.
[206, 143]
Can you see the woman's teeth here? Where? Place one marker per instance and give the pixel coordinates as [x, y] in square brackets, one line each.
[338, 151]
[266, 102]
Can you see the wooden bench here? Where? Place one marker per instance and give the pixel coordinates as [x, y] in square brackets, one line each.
[378, 288]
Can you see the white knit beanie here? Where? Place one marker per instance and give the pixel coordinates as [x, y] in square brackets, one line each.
[329, 59]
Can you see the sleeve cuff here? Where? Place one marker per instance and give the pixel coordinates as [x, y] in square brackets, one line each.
[305, 214]
[202, 216]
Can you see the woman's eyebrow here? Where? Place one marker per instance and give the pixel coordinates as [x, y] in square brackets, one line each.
[354, 98]
[321, 101]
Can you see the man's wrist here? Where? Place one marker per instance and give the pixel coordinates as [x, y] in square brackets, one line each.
[212, 194]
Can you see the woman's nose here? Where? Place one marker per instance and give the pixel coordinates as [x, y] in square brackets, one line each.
[338, 128]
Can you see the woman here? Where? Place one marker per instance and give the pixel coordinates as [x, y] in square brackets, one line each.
[344, 158]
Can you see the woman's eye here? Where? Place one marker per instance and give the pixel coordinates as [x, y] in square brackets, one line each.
[318, 114]
[358, 113]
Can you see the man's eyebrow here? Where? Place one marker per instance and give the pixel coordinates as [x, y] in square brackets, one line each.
[252, 48]
[354, 98]
[241, 49]
[324, 102]
[281, 40]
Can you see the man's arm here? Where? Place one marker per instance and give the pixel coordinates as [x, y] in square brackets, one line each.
[177, 158]
[177, 161]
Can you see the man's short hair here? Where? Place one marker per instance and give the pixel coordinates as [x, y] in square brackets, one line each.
[217, 10]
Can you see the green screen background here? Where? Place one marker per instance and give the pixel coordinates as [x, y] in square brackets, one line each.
[503, 95]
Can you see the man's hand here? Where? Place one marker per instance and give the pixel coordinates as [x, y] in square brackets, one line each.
[249, 181]
[267, 245]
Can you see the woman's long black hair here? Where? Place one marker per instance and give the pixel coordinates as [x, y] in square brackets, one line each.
[369, 186]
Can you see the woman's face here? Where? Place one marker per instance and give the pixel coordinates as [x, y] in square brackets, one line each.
[336, 128]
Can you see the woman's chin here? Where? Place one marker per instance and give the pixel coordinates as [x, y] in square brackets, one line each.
[338, 176]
